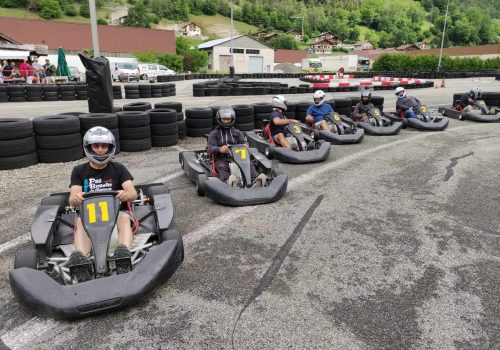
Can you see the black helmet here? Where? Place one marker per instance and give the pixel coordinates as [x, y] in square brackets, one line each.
[368, 94]
[226, 111]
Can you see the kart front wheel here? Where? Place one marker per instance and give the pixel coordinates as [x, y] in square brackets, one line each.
[26, 258]
[269, 152]
[200, 184]
[173, 234]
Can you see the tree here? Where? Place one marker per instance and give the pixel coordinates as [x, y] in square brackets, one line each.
[171, 61]
[209, 8]
[85, 9]
[138, 16]
[284, 41]
[194, 60]
[50, 9]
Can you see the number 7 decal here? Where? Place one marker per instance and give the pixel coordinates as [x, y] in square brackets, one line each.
[243, 152]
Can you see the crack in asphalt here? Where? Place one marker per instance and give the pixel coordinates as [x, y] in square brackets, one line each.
[453, 163]
[278, 259]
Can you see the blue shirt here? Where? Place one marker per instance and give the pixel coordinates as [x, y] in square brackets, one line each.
[318, 112]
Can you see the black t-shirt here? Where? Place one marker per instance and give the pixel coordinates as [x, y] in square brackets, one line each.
[97, 180]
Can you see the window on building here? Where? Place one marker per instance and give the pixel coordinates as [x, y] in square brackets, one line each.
[237, 50]
[251, 51]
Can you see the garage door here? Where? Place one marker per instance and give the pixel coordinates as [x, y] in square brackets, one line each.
[256, 64]
[224, 63]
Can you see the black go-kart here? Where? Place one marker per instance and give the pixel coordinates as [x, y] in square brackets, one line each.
[305, 149]
[42, 281]
[200, 168]
[342, 130]
[378, 124]
[480, 112]
[424, 120]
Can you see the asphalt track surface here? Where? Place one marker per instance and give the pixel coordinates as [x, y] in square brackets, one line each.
[389, 244]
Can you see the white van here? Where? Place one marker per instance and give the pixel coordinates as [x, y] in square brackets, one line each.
[124, 71]
[152, 70]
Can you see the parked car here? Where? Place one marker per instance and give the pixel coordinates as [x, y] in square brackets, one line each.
[125, 72]
[153, 70]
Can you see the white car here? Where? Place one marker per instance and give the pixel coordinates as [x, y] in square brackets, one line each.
[153, 70]
[125, 72]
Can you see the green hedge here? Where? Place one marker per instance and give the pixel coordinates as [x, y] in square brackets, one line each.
[429, 63]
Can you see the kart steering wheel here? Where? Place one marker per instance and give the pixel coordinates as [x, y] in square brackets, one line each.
[101, 193]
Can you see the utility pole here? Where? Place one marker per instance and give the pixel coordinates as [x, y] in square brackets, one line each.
[231, 67]
[442, 37]
[93, 27]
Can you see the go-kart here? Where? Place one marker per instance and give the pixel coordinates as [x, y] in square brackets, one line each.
[424, 120]
[378, 124]
[305, 149]
[200, 168]
[42, 281]
[481, 113]
[342, 130]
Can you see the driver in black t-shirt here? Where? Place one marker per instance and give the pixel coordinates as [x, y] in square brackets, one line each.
[100, 174]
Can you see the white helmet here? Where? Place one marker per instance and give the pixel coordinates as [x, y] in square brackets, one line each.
[319, 97]
[99, 134]
[400, 92]
[475, 93]
[280, 102]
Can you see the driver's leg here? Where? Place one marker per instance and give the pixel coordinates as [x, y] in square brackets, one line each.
[82, 240]
[409, 114]
[125, 235]
[281, 139]
[223, 169]
[324, 125]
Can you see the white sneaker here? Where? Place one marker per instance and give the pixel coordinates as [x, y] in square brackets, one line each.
[260, 181]
[232, 181]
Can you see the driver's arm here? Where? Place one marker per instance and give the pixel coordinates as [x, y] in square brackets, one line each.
[75, 196]
[279, 121]
[128, 194]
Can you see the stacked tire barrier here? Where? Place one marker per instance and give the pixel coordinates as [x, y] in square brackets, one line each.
[4, 97]
[58, 138]
[81, 91]
[43, 92]
[34, 93]
[50, 92]
[262, 111]
[239, 88]
[16, 93]
[156, 90]
[198, 121]
[181, 123]
[131, 91]
[164, 128]
[244, 117]
[135, 131]
[17, 143]
[145, 90]
[67, 92]
[117, 92]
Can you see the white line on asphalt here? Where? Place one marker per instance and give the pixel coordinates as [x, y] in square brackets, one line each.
[14, 242]
[36, 327]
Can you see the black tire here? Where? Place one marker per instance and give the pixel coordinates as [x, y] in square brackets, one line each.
[34, 99]
[198, 113]
[69, 87]
[135, 133]
[18, 161]
[245, 127]
[107, 120]
[17, 147]
[15, 88]
[263, 108]
[60, 155]
[181, 126]
[378, 100]
[17, 99]
[135, 145]
[132, 96]
[198, 123]
[51, 98]
[50, 88]
[171, 105]
[26, 258]
[245, 119]
[68, 98]
[35, 94]
[198, 132]
[15, 128]
[133, 118]
[200, 184]
[243, 110]
[164, 129]
[56, 125]
[173, 234]
[342, 103]
[59, 141]
[162, 116]
[180, 116]
[137, 106]
[132, 87]
[164, 140]
[33, 88]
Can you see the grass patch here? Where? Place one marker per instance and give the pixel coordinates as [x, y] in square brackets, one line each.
[21, 13]
[206, 22]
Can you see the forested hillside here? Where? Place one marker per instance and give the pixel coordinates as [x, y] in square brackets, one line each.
[385, 23]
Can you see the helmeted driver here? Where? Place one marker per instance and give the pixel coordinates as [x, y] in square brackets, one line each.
[99, 174]
[219, 140]
[468, 101]
[360, 113]
[406, 103]
[316, 112]
[278, 121]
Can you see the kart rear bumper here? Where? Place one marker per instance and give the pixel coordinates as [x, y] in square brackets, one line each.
[392, 129]
[221, 192]
[41, 294]
[337, 139]
[437, 125]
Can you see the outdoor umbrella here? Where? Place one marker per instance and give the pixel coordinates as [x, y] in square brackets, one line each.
[62, 65]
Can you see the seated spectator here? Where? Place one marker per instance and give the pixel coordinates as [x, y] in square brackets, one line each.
[23, 68]
[7, 68]
[39, 71]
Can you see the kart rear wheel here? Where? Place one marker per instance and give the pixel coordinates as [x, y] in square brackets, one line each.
[269, 152]
[200, 184]
[26, 258]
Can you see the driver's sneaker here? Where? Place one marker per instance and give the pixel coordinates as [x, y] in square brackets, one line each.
[122, 258]
[260, 181]
[232, 181]
[80, 267]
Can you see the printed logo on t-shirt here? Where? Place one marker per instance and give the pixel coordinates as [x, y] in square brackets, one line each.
[99, 185]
